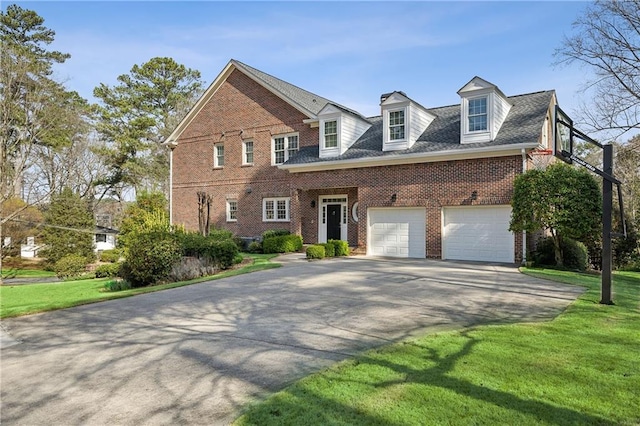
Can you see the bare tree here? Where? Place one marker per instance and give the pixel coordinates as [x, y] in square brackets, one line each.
[607, 40]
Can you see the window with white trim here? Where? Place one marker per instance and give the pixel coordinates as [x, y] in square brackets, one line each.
[247, 153]
[232, 210]
[478, 114]
[331, 134]
[218, 155]
[275, 209]
[396, 125]
[283, 147]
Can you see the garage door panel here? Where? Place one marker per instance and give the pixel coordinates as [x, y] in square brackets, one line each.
[477, 233]
[397, 232]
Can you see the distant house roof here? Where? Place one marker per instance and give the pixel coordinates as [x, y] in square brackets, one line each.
[105, 230]
[522, 125]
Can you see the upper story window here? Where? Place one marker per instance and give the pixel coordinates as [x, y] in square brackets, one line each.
[247, 152]
[396, 125]
[283, 148]
[101, 238]
[232, 210]
[478, 114]
[275, 209]
[331, 134]
[218, 155]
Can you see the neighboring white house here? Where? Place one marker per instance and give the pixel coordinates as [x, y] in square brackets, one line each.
[104, 238]
[30, 250]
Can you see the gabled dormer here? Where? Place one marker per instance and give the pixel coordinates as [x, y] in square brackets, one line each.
[403, 121]
[339, 129]
[483, 109]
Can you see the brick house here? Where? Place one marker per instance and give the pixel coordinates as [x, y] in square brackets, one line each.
[412, 182]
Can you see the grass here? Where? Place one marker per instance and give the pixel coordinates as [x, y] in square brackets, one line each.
[581, 368]
[27, 273]
[33, 298]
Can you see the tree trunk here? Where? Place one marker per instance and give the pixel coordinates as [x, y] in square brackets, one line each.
[557, 240]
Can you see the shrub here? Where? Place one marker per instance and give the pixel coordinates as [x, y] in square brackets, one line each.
[274, 233]
[107, 271]
[111, 256]
[150, 257]
[221, 253]
[255, 247]
[72, 265]
[574, 254]
[220, 235]
[117, 285]
[341, 247]
[316, 251]
[329, 249]
[282, 244]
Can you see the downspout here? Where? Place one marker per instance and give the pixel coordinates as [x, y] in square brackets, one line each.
[524, 233]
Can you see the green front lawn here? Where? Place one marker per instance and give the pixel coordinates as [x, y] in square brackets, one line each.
[27, 273]
[32, 298]
[581, 368]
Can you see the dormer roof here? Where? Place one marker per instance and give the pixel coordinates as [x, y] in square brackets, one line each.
[477, 83]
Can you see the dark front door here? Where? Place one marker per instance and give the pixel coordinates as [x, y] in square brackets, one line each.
[333, 221]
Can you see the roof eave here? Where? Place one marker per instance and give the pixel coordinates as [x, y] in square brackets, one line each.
[422, 157]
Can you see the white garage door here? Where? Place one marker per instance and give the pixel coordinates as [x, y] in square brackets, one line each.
[396, 232]
[477, 233]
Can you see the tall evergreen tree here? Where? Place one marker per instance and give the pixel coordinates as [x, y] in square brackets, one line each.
[69, 227]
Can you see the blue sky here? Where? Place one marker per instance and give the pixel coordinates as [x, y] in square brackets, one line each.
[349, 52]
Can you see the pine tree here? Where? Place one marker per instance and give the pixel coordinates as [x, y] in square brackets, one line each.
[69, 227]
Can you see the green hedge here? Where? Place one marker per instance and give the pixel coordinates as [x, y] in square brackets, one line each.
[340, 247]
[108, 271]
[111, 256]
[72, 265]
[329, 249]
[575, 255]
[316, 251]
[282, 244]
[150, 257]
[274, 233]
[219, 246]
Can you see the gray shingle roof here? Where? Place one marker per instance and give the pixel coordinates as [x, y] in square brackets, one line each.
[522, 125]
[303, 98]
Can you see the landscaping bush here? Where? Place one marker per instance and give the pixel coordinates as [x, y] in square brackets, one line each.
[220, 235]
[329, 249]
[221, 253]
[107, 271]
[574, 254]
[117, 285]
[274, 233]
[255, 247]
[282, 244]
[150, 257]
[316, 251]
[72, 265]
[341, 247]
[111, 256]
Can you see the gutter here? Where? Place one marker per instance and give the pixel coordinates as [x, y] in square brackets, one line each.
[490, 151]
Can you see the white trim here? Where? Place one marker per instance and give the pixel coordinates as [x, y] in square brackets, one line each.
[422, 157]
[244, 152]
[216, 161]
[275, 209]
[229, 201]
[323, 202]
[286, 137]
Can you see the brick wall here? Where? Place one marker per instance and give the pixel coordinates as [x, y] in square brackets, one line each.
[243, 110]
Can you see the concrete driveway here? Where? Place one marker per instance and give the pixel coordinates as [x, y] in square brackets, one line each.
[197, 354]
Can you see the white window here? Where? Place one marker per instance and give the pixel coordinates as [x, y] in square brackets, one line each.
[232, 210]
[396, 125]
[275, 209]
[331, 134]
[478, 114]
[283, 148]
[218, 155]
[247, 152]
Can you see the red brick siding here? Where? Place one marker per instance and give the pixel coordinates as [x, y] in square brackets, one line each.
[241, 109]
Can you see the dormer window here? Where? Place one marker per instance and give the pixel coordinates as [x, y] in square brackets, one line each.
[331, 134]
[483, 109]
[396, 125]
[478, 114]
